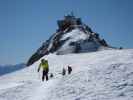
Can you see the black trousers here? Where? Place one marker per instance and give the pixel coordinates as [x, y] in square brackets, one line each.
[45, 74]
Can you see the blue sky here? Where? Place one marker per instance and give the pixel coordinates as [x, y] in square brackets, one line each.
[26, 24]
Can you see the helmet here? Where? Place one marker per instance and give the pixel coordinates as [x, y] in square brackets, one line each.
[42, 60]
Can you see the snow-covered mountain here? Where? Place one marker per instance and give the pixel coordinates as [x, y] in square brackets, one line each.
[102, 75]
[5, 69]
[72, 36]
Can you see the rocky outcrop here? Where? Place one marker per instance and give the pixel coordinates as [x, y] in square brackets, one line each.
[72, 36]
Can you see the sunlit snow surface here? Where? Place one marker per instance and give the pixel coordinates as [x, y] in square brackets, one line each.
[102, 75]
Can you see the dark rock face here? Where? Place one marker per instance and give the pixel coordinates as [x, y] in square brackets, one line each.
[72, 36]
[69, 21]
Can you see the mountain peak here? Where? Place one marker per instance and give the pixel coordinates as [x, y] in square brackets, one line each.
[72, 36]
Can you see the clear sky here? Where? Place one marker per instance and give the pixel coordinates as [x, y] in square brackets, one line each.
[26, 24]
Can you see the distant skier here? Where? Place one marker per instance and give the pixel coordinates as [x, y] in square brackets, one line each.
[63, 71]
[69, 69]
[45, 66]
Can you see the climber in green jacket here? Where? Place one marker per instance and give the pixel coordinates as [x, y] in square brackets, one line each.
[45, 66]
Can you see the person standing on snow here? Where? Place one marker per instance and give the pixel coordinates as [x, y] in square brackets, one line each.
[45, 66]
[63, 71]
[69, 69]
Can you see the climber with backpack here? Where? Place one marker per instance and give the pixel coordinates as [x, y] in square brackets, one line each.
[63, 71]
[45, 67]
[69, 69]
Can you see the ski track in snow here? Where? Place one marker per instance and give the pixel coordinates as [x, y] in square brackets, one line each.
[44, 90]
[103, 75]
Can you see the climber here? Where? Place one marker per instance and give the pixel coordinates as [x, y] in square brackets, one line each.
[69, 69]
[63, 71]
[45, 66]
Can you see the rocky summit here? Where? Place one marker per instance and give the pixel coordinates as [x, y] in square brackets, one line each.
[72, 36]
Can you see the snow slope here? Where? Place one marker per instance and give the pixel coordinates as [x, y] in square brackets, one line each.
[78, 37]
[102, 75]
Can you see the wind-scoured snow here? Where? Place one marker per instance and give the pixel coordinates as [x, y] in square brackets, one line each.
[102, 75]
[75, 35]
[80, 38]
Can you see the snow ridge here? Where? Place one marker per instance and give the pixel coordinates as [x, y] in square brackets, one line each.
[94, 77]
